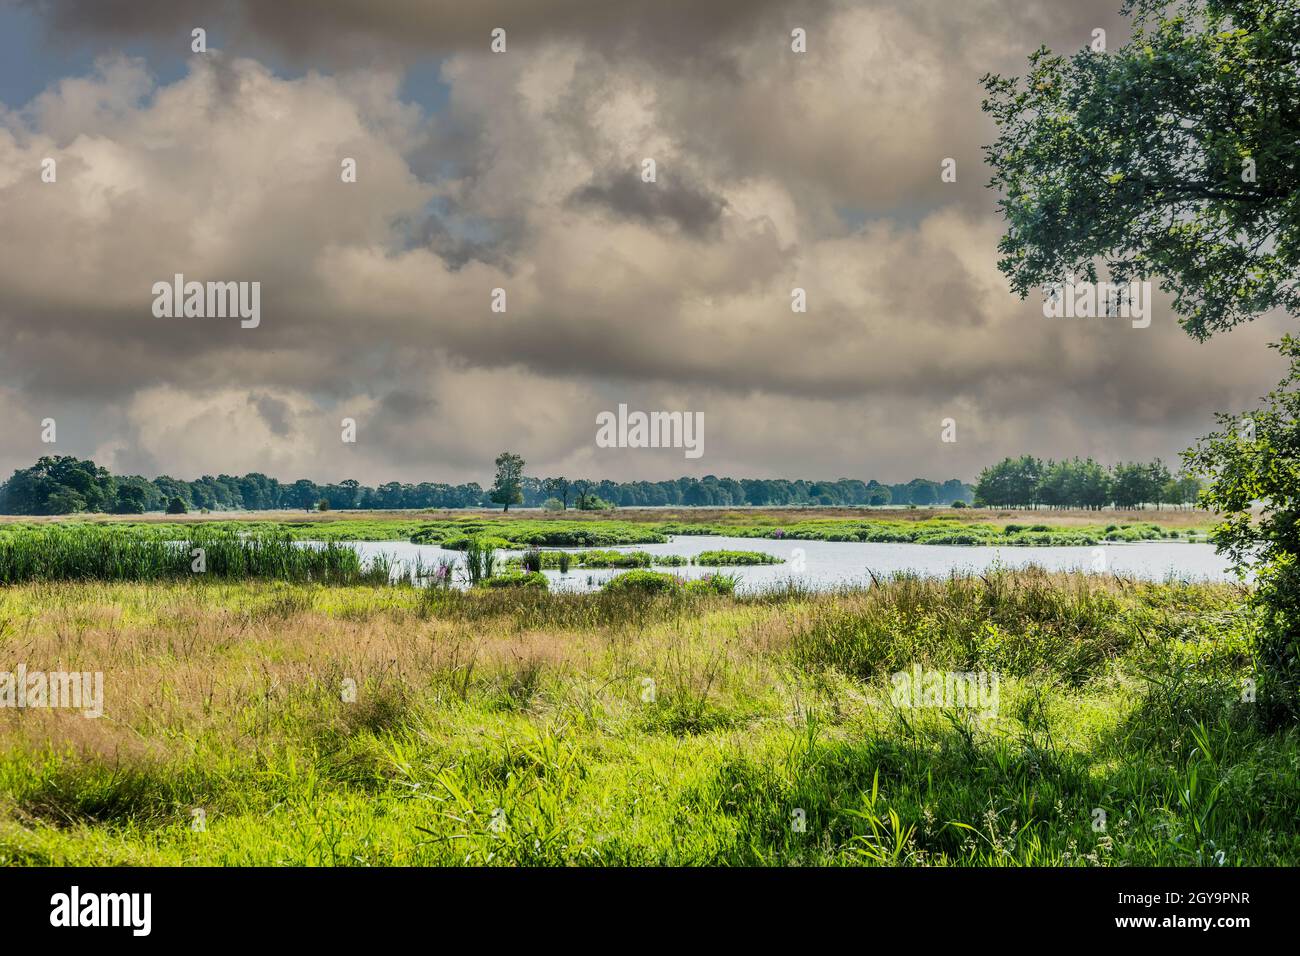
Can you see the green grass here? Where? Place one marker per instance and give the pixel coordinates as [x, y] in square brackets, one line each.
[624, 728]
[553, 560]
[81, 552]
[601, 533]
[526, 532]
[724, 558]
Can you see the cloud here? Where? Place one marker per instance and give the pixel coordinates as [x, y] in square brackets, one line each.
[694, 210]
[775, 171]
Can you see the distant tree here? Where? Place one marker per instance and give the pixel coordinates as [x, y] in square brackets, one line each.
[1158, 481]
[877, 494]
[559, 488]
[1089, 485]
[302, 494]
[176, 507]
[1010, 483]
[64, 502]
[1183, 490]
[506, 488]
[1129, 484]
[922, 492]
[130, 500]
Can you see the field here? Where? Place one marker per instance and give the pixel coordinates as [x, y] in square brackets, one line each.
[275, 722]
[453, 529]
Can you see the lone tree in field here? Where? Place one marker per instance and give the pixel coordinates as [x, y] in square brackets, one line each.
[1177, 156]
[508, 487]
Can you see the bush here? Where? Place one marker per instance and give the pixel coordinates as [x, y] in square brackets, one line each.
[649, 582]
[552, 504]
[176, 507]
[715, 559]
[713, 584]
[959, 504]
[1256, 469]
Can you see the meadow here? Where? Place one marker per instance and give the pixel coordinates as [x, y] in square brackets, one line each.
[600, 530]
[304, 723]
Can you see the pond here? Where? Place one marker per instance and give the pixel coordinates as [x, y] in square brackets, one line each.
[823, 565]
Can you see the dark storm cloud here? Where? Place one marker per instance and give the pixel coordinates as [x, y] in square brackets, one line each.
[693, 209]
[274, 412]
[346, 30]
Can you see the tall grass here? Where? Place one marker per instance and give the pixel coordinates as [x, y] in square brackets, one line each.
[104, 553]
[519, 727]
[480, 560]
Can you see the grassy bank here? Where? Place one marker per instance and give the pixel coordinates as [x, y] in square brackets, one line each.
[534, 531]
[515, 726]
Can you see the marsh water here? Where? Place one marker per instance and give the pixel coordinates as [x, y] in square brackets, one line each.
[824, 565]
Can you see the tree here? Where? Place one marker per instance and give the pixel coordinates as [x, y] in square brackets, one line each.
[1255, 460]
[1158, 481]
[507, 488]
[1011, 482]
[558, 488]
[130, 500]
[176, 507]
[1131, 485]
[1176, 155]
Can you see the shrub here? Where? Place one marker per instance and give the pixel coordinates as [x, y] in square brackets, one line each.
[552, 504]
[713, 584]
[649, 582]
[176, 507]
[724, 558]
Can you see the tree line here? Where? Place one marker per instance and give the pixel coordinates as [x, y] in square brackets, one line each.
[1029, 482]
[68, 485]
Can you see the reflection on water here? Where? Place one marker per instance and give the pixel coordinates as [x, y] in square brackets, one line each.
[827, 564]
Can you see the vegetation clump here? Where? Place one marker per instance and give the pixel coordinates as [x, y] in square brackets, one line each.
[723, 558]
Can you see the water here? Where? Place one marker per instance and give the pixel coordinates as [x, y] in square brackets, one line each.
[830, 564]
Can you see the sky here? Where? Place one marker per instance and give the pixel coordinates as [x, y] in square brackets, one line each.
[523, 171]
